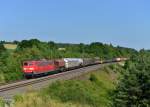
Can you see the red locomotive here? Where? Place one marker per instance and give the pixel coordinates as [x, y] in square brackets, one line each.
[31, 68]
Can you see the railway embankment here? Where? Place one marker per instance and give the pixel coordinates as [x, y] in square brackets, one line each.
[91, 89]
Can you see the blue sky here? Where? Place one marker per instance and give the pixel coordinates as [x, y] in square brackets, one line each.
[120, 22]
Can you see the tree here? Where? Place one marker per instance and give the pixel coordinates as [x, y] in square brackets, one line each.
[2, 48]
[133, 89]
[52, 45]
[29, 43]
[16, 42]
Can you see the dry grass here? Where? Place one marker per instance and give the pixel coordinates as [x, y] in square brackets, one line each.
[35, 100]
[10, 46]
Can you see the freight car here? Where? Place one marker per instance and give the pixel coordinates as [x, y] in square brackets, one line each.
[88, 61]
[115, 60]
[73, 62]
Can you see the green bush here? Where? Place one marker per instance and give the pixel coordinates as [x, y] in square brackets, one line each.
[95, 91]
[73, 91]
[93, 78]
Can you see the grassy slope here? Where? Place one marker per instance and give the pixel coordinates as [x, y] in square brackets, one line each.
[91, 90]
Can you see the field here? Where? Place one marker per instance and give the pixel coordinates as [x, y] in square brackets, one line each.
[10, 46]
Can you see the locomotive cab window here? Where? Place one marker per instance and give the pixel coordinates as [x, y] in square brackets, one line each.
[56, 63]
[25, 64]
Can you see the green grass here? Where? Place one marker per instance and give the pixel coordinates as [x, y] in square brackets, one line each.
[93, 89]
[2, 103]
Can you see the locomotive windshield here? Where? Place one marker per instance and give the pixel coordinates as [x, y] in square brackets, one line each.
[27, 64]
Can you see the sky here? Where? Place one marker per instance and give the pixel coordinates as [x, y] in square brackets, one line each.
[119, 22]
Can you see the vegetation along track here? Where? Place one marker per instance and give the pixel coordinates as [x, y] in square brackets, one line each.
[9, 90]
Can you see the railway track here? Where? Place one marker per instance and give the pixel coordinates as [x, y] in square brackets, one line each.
[9, 90]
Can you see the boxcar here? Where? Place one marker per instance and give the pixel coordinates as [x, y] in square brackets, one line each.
[88, 61]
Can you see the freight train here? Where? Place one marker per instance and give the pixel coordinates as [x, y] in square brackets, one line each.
[41, 67]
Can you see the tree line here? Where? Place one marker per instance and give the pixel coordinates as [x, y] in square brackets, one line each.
[11, 60]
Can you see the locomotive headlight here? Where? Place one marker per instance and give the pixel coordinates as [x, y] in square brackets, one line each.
[24, 68]
[31, 68]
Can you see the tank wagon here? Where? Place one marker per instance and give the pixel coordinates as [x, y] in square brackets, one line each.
[73, 62]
